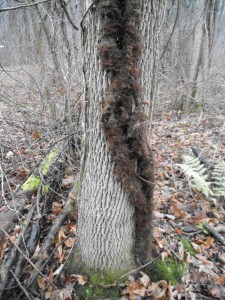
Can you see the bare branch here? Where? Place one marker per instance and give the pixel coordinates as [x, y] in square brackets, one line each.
[214, 233]
[23, 6]
[63, 4]
[28, 260]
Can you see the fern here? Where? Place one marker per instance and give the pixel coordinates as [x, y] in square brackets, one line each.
[218, 179]
[195, 171]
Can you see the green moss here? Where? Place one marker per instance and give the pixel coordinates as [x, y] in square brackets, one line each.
[170, 270]
[100, 287]
[48, 161]
[91, 292]
[32, 183]
[105, 279]
[188, 246]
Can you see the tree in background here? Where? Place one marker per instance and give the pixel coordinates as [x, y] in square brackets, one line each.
[189, 50]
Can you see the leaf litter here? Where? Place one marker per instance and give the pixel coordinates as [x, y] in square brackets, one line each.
[179, 211]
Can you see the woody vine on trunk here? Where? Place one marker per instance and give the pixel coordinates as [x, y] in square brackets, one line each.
[123, 122]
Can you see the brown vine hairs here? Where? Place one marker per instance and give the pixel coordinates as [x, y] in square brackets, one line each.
[122, 119]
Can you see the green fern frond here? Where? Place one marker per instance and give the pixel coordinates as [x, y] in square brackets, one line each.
[197, 174]
[218, 178]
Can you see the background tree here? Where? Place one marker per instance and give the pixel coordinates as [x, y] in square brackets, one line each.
[189, 50]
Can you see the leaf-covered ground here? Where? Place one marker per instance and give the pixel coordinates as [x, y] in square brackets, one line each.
[195, 258]
[180, 210]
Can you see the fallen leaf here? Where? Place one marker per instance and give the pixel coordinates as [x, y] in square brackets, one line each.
[36, 135]
[41, 282]
[67, 181]
[129, 290]
[59, 270]
[220, 280]
[140, 292]
[197, 248]
[145, 280]
[69, 242]
[178, 212]
[81, 279]
[158, 290]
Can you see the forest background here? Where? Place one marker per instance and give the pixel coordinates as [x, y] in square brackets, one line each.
[42, 104]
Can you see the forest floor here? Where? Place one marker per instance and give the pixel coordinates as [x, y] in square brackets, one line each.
[180, 210]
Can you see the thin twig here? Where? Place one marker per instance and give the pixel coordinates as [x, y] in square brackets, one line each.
[30, 262]
[174, 25]
[21, 286]
[63, 4]
[50, 238]
[13, 252]
[141, 267]
[22, 6]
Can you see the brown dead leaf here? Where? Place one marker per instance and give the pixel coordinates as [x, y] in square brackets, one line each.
[20, 151]
[220, 280]
[69, 242]
[208, 243]
[21, 173]
[178, 145]
[198, 218]
[81, 279]
[67, 181]
[17, 230]
[204, 260]
[205, 244]
[178, 230]
[213, 292]
[169, 292]
[158, 290]
[161, 176]
[131, 288]
[36, 135]
[41, 282]
[161, 242]
[72, 228]
[178, 212]
[37, 250]
[49, 293]
[141, 292]
[3, 247]
[145, 280]
[197, 248]
[70, 280]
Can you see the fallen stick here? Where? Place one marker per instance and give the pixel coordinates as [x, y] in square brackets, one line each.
[214, 233]
[28, 260]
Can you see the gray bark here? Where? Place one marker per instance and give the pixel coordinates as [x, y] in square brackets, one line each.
[105, 214]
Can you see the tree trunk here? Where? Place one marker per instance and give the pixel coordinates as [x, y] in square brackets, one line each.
[202, 51]
[107, 226]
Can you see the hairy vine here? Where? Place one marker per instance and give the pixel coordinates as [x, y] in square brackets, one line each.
[123, 122]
